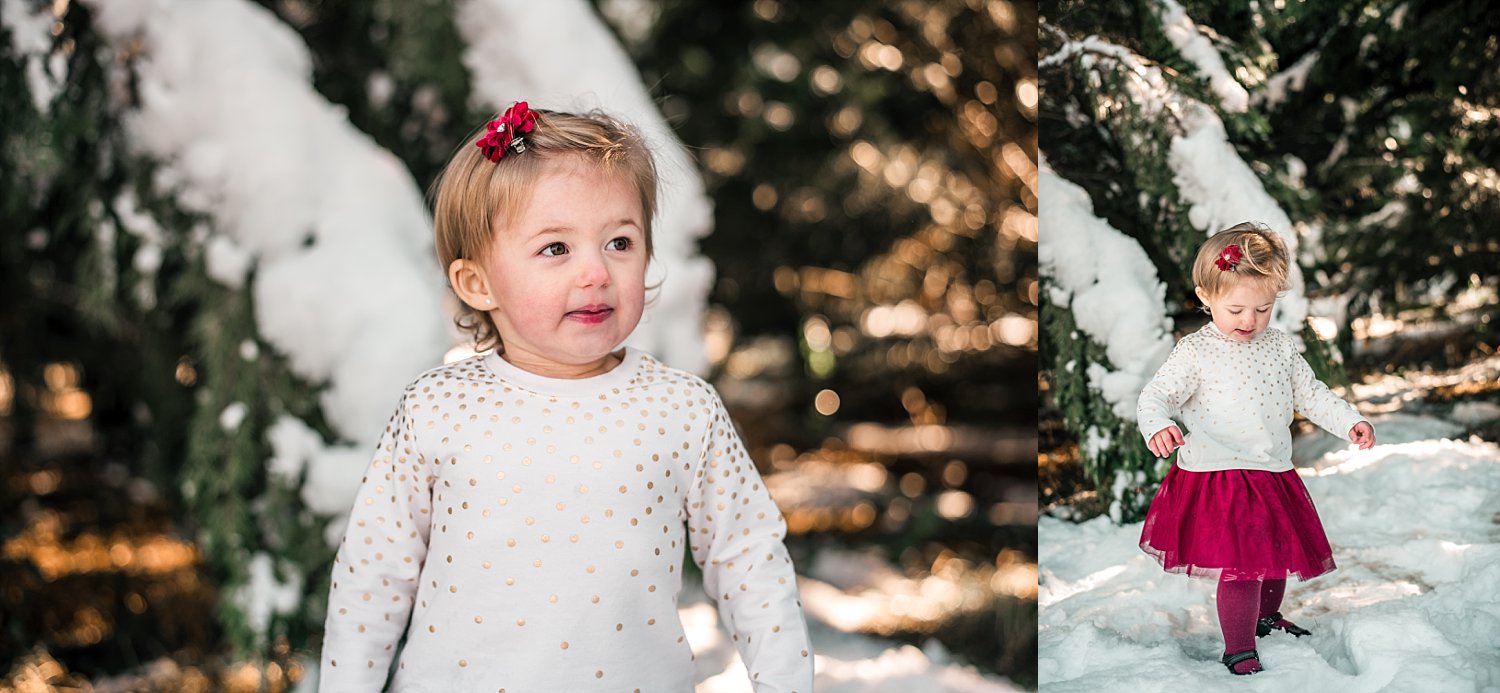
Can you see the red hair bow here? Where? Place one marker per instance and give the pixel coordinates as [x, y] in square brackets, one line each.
[1229, 258]
[505, 133]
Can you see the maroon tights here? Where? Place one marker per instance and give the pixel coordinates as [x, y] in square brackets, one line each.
[1241, 603]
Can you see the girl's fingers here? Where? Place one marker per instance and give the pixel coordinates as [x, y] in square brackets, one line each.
[1177, 436]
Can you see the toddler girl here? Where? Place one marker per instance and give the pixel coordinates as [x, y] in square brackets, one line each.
[1232, 508]
[523, 522]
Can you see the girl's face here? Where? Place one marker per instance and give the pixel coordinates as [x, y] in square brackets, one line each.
[1243, 311]
[568, 276]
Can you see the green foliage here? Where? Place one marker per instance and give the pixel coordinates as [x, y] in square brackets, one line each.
[799, 134]
[396, 66]
[1114, 125]
[1392, 124]
[1114, 455]
[105, 271]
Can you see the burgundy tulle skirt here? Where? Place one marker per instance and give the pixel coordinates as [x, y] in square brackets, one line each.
[1237, 524]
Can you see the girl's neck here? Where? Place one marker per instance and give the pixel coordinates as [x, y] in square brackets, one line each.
[563, 371]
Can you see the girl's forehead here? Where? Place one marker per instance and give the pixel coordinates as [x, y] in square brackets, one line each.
[1247, 293]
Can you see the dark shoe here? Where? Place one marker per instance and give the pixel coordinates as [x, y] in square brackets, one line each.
[1264, 626]
[1230, 660]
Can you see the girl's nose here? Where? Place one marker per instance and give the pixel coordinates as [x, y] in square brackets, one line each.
[592, 271]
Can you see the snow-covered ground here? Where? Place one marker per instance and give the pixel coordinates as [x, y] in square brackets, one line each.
[1413, 606]
[845, 662]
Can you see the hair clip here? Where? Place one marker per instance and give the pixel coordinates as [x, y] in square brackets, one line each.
[1229, 258]
[506, 132]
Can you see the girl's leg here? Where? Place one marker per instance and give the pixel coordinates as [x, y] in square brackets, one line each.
[1239, 604]
[1271, 592]
[1270, 611]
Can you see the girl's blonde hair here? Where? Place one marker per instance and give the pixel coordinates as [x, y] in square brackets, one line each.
[1263, 259]
[474, 198]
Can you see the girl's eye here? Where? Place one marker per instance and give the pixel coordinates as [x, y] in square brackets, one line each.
[1235, 312]
[554, 249]
[621, 243]
[1262, 310]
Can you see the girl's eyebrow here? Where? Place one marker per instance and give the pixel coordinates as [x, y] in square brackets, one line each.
[556, 228]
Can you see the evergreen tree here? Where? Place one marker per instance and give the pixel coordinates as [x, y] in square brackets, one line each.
[884, 144]
[1145, 110]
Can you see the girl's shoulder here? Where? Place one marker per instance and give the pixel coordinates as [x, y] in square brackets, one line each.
[449, 377]
[653, 374]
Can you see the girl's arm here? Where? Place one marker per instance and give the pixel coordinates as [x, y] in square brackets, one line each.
[1174, 383]
[378, 563]
[1314, 400]
[735, 532]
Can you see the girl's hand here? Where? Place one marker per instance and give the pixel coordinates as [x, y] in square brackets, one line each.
[1363, 435]
[1170, 438]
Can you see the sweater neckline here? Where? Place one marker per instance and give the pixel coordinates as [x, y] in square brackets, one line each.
[621, 376]
[1216, 332]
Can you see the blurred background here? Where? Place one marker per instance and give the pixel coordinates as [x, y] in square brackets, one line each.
[871, 323]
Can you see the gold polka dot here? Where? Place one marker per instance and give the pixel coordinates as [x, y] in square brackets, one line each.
[565, 645]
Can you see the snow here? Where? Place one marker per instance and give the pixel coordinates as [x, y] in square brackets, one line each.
[333, 227]
[31, 34]
[1283, 83]
[1475, 413]
[1198, 49]
[845, 660]
[1110, 285]
[264, 596]
[1222, 191]
[560, 55]
[1217, 185]
[1392, 391]
[232, 416]
[1414, 604]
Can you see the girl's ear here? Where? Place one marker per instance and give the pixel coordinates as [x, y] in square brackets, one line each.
[473, 288]
[1203, 298]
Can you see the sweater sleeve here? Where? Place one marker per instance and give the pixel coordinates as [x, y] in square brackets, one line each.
[1171, 387]
[1312, 398]
[378, 563]
[735, 532]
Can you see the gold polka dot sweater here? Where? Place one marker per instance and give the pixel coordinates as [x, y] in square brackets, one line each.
[527, 533]
[1235, 400]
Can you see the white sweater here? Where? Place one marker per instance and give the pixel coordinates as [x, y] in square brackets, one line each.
[531, 530]
[1235, 400]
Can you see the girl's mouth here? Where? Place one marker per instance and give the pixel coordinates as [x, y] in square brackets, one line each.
[591, 314]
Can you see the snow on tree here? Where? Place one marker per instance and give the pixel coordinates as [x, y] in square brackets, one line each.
[177, 165]
[1103, 309]
[1147, 151]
